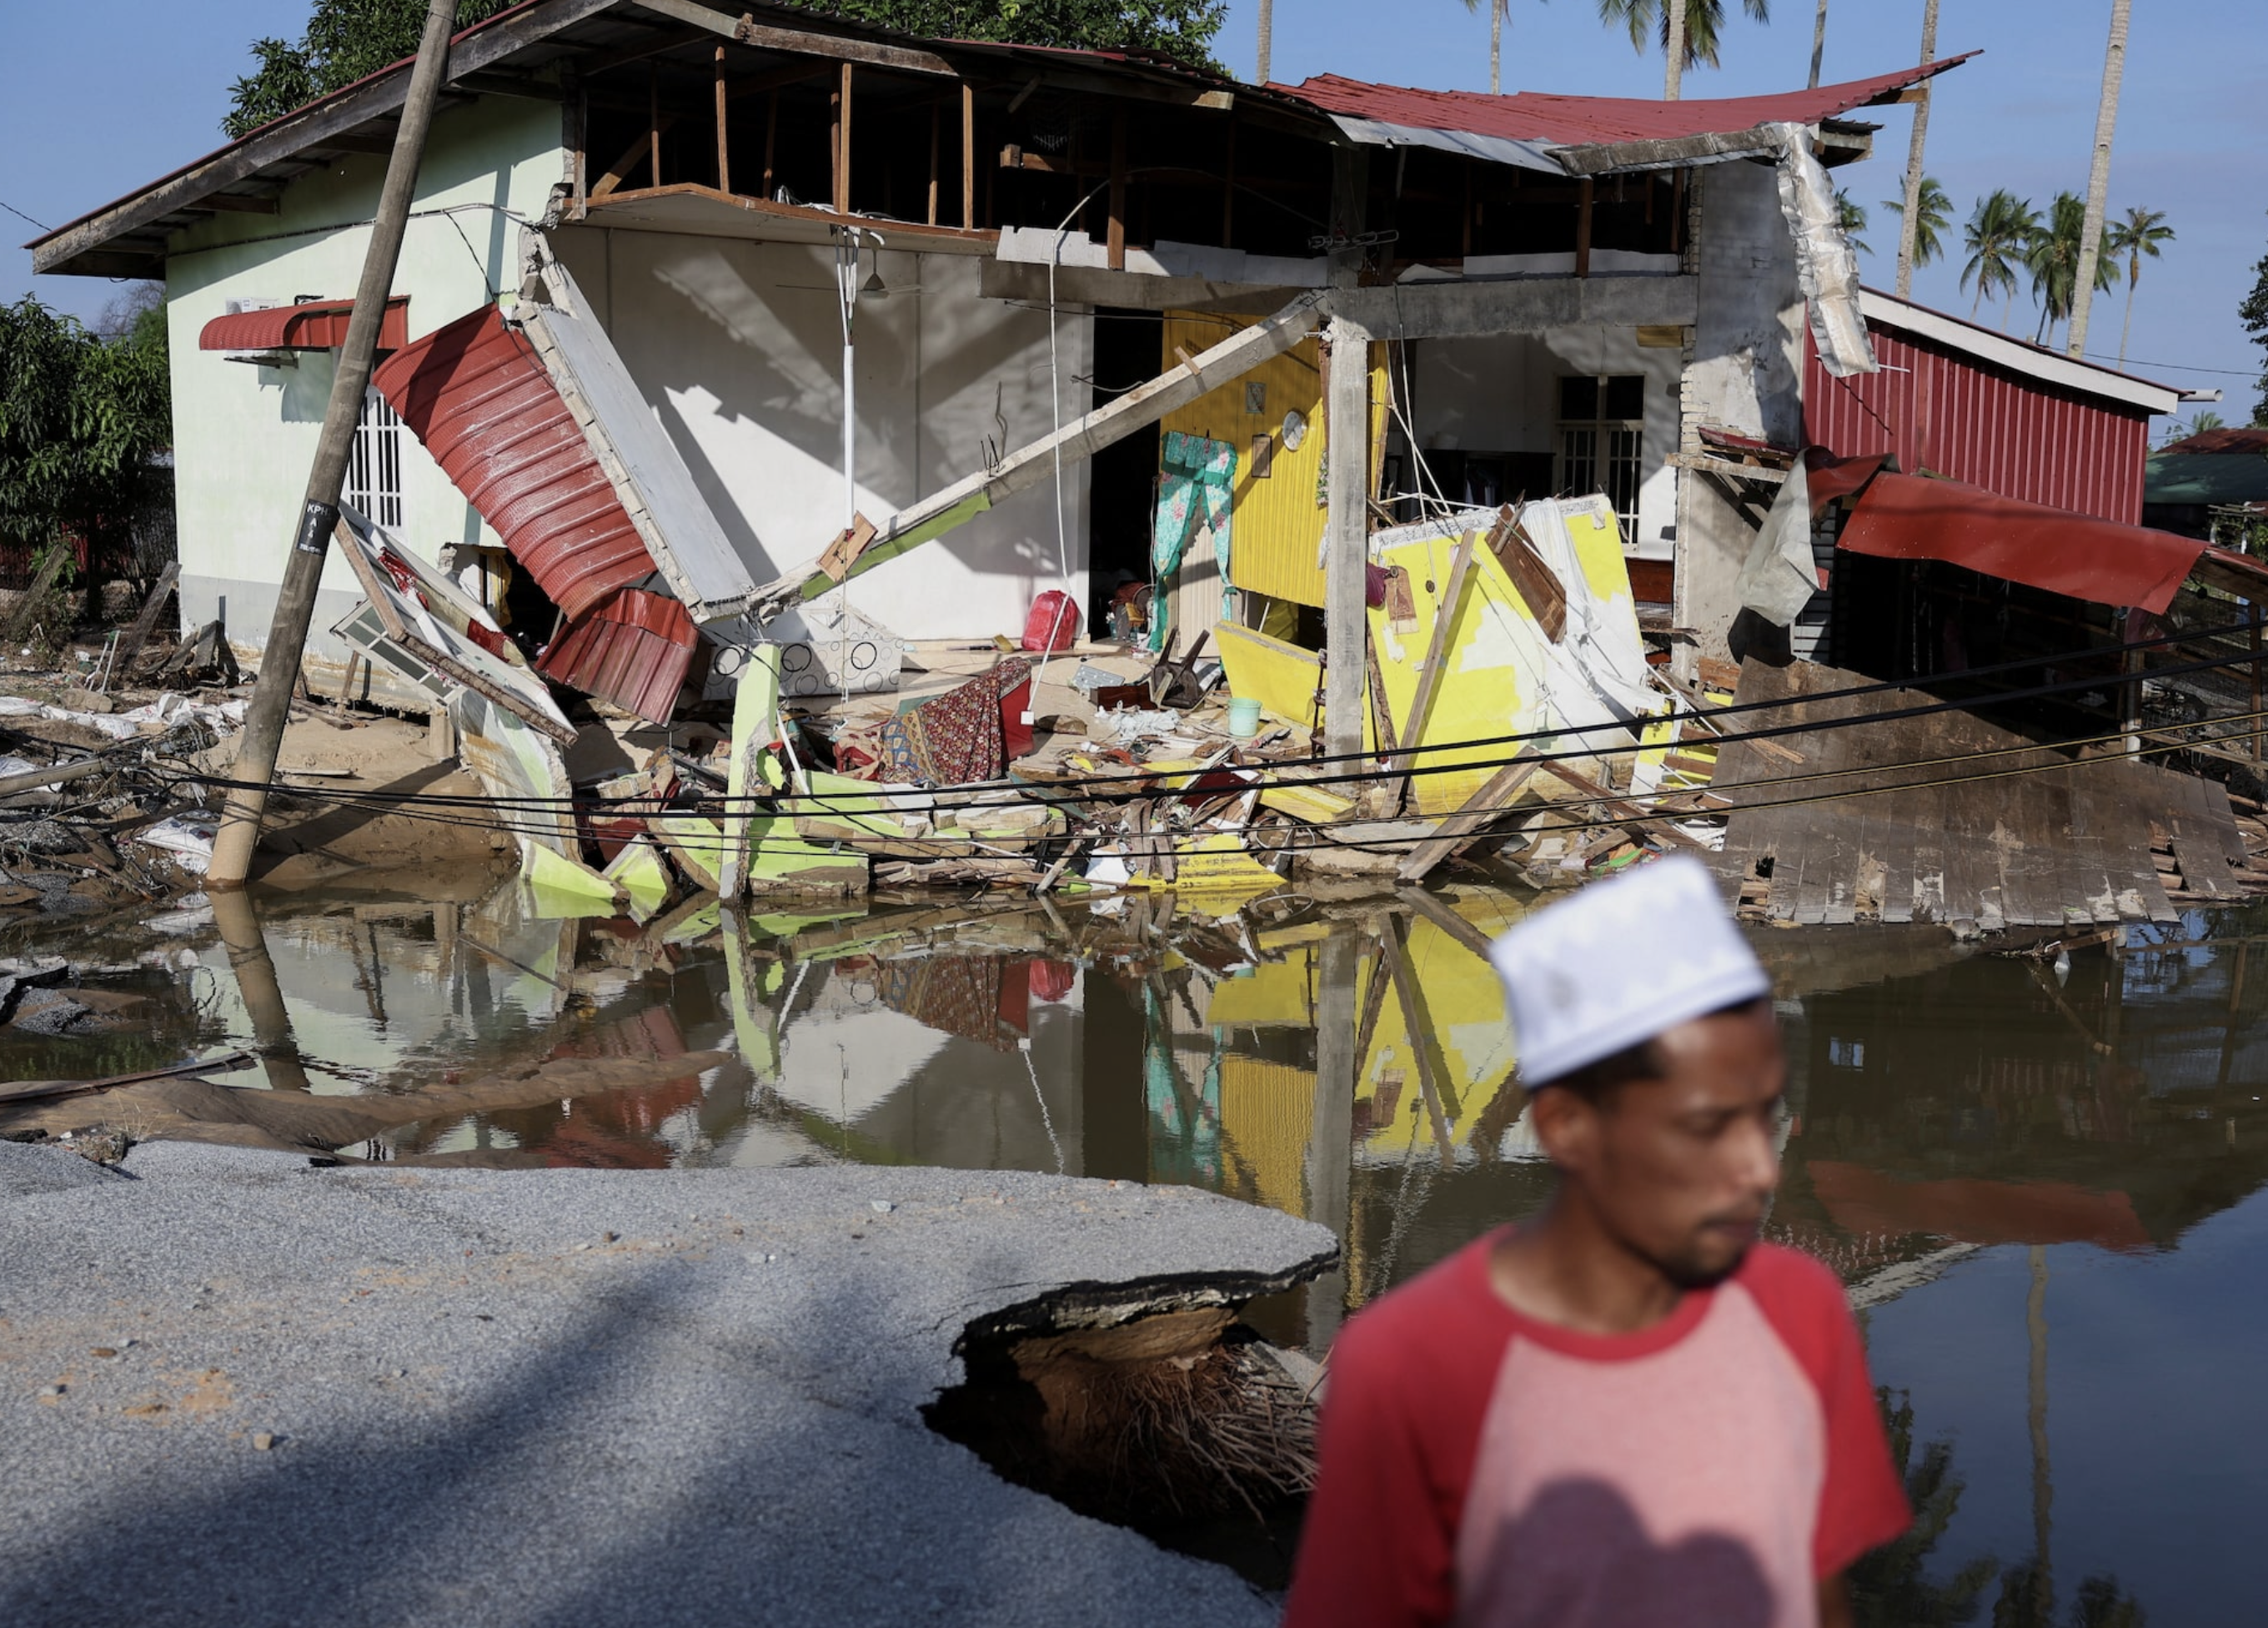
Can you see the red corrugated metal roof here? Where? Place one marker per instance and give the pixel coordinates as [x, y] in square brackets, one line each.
[478, 398]
[316, 325]
[634, 651]
[1588, 121]
[1910, 516]
[1936, 410]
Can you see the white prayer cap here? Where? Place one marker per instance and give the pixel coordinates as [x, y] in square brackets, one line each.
[1620, 962]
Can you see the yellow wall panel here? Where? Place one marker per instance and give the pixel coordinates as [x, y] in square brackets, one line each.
[1279, 524]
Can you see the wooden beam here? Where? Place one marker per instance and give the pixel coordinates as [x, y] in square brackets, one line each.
[1437, 654]
[619, 171]
[1436, 910]
[1030, 465]
[1116, 242]
[1346, 535]
[1433, 1070]
[842, 149]
[723, 151]
[1583, 229]
[239, 203]
[800, 41]
[968, 156]
[1458, 830]
[653, 127]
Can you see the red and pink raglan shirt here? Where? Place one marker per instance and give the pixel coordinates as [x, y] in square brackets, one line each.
[1482, 1468]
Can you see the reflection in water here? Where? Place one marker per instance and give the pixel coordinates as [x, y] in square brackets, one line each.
[1351, 1065]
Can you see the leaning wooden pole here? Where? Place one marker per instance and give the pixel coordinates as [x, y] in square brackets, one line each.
[303, 569]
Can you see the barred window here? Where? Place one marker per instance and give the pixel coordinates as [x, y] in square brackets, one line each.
[1601, 437]
[374, 467]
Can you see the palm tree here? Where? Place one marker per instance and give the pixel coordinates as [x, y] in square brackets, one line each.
[1931, 220]
[2053, 257]
[2137, 235]
[2098, 176]
[1500, 12]
[1267, 40]
[1818, 43]
[1999, 230]
[1911, 220]
[1853, 216]
[1704, 20]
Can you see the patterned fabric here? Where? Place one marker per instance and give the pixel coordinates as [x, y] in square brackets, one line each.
[954, 739]
[1196, 487]
[966, 996]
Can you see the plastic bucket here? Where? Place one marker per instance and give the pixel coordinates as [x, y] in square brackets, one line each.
[1244, 717]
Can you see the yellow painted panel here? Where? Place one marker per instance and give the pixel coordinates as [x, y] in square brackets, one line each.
[1278, 524]
[1493, 684]
[1267, 1114]
[1274, 994]
[1464, 1003]
[1282, 677]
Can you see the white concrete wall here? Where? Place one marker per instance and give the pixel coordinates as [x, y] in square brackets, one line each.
[1746, 375]
[738, 347]
[1502, 395]
[245, 436]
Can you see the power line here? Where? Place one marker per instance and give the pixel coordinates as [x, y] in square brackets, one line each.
[19, 215]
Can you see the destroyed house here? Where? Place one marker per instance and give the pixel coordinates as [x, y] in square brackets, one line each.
[648, 239]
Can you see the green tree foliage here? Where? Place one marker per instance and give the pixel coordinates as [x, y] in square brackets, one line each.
[79, 416]
[1853, 216]
[2051, 257]
[2000, 232]
[348, 39]
[2254, 315]
[1704, 22]
[1891, 1587]
[1932, 219]
[2139, 233]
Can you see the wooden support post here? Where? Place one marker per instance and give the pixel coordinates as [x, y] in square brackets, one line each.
[579, 143]
[771, 138]
[1331, 1144]
[1465, 214]
[834, 147]
[1481, 810]
[724, 153]
[1583, 228]
[254, 765]
[936, 119]
[842, 146]
[1116, 243]
[967, 157]
[1346, 532]
[653, 126]
[1442, 1103]
[1677, 213]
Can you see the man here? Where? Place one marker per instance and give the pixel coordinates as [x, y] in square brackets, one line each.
[1627, 1411]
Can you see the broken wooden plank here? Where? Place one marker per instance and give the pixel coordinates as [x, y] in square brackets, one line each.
[1436, 653]
[1457, 830]
[137, 633]
[1539, 586]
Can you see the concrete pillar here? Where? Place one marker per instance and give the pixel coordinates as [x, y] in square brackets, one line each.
[1346, 532]
[1330, 1143]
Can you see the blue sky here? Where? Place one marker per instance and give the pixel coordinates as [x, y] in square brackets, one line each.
[2193, 121]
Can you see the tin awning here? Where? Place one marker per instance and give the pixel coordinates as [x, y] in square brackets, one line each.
[1912, 517]
[314, 324]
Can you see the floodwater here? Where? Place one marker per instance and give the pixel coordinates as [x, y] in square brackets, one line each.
[2042, 1184]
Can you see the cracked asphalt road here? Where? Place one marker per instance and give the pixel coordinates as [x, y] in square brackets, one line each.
[568, 1397]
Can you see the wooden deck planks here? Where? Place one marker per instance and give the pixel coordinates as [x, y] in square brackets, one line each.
[2055, 844]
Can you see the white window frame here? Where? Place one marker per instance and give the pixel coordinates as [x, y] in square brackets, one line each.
[374, 482]
[1588, 451]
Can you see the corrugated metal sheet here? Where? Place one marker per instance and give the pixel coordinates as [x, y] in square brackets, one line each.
[2213, 443]
[317, 325]
[1589, 121]
[1903, 517]
[1936, 410]
[634, 651]
[478, 398]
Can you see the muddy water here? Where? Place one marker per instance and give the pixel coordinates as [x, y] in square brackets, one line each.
[2042, 1186]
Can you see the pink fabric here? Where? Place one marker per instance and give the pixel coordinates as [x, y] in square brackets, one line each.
[1481, 1468]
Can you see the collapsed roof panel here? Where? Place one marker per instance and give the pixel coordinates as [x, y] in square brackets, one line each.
[477, 395]
[648, 474]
